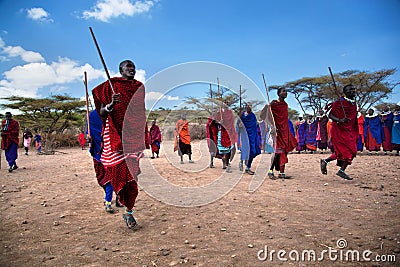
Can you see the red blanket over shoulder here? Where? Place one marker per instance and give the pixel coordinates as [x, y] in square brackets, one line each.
[284, 139]
[344, 135]
[10, 135]
[128, 119]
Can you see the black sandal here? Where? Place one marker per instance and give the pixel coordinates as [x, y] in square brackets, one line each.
[130, 221]
[323, 165]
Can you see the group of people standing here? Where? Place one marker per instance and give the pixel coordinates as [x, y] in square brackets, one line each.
[380, 131]
[376, 132]
[10, 140]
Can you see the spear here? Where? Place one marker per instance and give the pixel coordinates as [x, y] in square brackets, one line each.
[212, 101]
[240, 100]
[220, 100]
[337, 91]
[87, 104]
[269, 102]
[102, 60]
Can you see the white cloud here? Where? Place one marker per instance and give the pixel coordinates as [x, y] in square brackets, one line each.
[18, 51]
[154, 96]
[27, 79]
[151, 96]
[38, 14]
[108, 9]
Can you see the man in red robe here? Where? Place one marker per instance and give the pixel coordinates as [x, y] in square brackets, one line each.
[222, 136]
[344, 132]
[182, 138]
[155, 139]
[285, 140]
[124, 119]
[10, 140]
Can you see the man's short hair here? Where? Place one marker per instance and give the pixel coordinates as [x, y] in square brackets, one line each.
[123, 62]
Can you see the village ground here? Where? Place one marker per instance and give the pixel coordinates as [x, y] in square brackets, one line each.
[52, 213]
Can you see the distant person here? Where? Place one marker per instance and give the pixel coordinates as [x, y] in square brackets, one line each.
[82, 140]
[38, 142]
[222, 136]
[373, 131]
[311, 134]
[251, 128]
[344, 132]
[396, 129]
[124, 119]
[267, 142]
[387, 124]
[27, 140]
[360, 139]
[301, 128]
[155, 139]
[322, 130]
[285, 140]
[182, 139]
[95, 151]
[10, 140]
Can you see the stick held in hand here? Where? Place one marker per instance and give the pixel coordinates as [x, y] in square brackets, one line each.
[102, 60]
[337, 91]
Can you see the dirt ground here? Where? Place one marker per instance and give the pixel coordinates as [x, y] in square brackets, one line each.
[52, 213]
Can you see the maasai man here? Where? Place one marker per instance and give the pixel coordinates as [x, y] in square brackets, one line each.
[95, 152]
[212, 139]
[182, 138]
[372, 131]
[27, 140]
[311, 134]
[387, 124]
[38, 142]
[155, 139]
[322, 132]
[344, 132]
[301, 127]
[221, 133]
[251, 146]
[396, 129]
[82, 140]
[285, 140]
[10, 140]
[360, 139]
[124, 118]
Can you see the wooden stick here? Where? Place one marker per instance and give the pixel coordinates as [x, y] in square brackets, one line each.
[212, 100]
[337, 91]
[87, 104]
[220, 100]
[269, 102]
[102, 60]
[240, 100]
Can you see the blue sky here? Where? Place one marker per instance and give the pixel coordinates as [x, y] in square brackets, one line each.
[45, 46]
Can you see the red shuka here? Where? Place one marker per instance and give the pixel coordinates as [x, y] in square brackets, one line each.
[285, 141]
[10, 135]
[344, 135]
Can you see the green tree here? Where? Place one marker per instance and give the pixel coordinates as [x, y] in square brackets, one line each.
[51, 116]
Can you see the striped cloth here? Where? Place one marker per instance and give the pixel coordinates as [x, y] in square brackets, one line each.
[111, 158]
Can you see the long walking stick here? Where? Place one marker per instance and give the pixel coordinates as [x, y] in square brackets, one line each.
[87, 105]
[337, 91]
[102, 60]
[220, 100]
[269, 102]
[212, 100]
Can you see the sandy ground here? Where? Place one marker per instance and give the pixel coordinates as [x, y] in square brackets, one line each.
[52, 213]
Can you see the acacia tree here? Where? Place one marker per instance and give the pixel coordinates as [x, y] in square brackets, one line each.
[215, 99]
[314, 93]
[51, 116]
